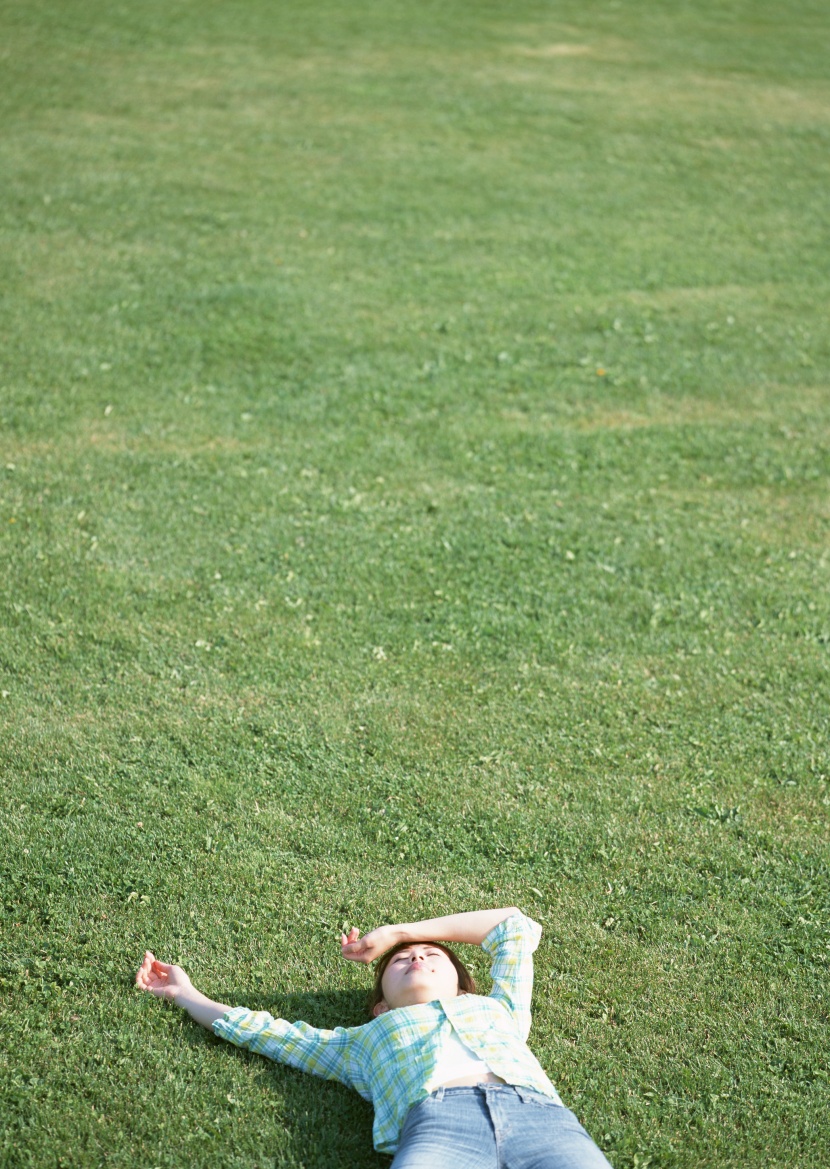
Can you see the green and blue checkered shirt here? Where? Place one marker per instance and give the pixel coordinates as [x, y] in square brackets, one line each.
[391, 1060]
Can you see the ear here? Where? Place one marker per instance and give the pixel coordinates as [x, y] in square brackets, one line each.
[380, 1008]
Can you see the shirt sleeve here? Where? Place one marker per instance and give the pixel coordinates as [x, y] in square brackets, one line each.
[510, 946]
[323, 1053]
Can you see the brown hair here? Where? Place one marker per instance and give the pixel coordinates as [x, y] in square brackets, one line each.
[466, 982]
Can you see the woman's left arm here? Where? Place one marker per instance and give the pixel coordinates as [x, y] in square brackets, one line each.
[471, 928]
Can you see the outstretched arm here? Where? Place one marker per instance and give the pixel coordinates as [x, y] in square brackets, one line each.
[472, 928]
[323, 1053]
[172, 983]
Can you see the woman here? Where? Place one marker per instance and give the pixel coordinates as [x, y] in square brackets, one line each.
[449, 1072]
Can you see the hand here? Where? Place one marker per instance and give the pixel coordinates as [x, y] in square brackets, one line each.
[370, 946]
[162, 979]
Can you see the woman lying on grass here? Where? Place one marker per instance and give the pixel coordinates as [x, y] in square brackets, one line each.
[449, 1073]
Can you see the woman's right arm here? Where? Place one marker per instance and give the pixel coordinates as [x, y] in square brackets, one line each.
[172, 983]
[323, 1053]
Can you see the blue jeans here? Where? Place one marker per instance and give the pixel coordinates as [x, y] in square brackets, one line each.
[494, 1126]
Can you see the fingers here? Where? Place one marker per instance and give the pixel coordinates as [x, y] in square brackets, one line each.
[144, 970]
[353, 949]
[153, 975]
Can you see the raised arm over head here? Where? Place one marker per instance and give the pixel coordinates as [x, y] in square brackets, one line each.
[472, 928]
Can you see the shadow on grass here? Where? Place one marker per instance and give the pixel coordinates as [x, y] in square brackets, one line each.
[329, 1124]
[322, 1008]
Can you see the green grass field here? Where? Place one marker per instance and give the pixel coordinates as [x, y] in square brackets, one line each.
[414, 465]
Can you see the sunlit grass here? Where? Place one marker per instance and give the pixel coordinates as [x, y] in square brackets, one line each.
[414, 462]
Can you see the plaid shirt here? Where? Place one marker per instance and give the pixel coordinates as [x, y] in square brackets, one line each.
[390, 1061]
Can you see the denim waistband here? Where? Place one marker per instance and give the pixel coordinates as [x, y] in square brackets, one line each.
[472, 1089]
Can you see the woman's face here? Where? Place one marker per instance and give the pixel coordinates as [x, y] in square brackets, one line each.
[418, 973]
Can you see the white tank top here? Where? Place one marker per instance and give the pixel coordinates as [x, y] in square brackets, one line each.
[454, 1061]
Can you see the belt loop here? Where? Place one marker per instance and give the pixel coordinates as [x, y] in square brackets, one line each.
[439, 1094]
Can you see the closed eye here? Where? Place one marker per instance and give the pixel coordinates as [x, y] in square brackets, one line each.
[405, 955]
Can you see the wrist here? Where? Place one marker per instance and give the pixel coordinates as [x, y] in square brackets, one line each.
[200, 1008]
[186, 996]
[390, 936]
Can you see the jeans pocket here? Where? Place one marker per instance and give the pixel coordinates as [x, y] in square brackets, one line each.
[531, 1096]
[423, 1106]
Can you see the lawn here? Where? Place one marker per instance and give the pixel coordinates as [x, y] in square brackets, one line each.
[414, 466]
